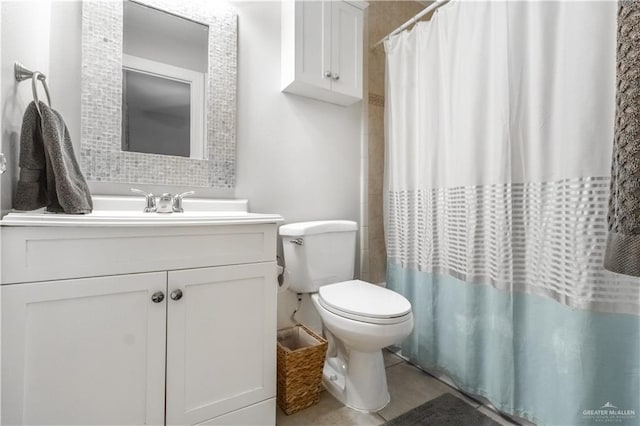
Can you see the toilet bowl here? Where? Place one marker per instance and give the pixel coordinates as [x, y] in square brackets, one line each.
[358, 318]
[356, 375]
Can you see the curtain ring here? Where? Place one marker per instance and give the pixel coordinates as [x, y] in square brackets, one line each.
[37, 75]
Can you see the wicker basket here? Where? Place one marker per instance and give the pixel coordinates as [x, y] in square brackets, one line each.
[301, 354]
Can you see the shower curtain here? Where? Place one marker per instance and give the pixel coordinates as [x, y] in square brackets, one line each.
[499, 128]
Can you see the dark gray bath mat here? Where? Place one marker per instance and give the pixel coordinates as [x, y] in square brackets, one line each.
[445, 410]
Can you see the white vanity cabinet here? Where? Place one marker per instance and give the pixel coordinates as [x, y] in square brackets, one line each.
[186, 310]
[220, 341]
[84, 351]
[322, 49]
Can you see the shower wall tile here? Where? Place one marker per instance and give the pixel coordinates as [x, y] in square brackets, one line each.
[382, 18]
[375, 114]
[376, 100]
[376, 71]
[376, 237]
[376, 230]
[376, 179]
[378, 263]
[376, 163]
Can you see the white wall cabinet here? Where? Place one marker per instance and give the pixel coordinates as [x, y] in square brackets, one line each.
[322, 49]
[103, 350]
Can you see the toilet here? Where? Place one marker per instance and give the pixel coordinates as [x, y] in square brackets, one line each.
[358, 318]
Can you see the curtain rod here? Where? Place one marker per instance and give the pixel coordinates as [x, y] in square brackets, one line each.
[433, 6]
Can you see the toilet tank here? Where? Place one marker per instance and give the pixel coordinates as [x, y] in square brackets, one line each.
[318, 253]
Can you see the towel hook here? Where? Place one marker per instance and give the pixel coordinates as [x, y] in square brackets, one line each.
[23, 73]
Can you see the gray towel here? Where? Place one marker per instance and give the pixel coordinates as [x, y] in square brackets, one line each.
[49, 173]
[622, 253]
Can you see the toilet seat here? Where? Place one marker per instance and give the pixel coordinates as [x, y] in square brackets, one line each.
[363, 301]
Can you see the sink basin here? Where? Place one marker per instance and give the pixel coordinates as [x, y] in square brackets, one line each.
[127, 211]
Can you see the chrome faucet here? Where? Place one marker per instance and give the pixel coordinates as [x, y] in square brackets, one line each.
[166, 203]
[177, 201]
[150, 199]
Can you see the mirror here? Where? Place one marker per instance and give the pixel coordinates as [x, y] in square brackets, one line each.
[158, 99]
[165, 59]
[156, 115]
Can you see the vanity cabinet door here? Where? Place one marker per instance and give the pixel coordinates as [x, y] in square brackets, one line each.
[221, 337]
[84, 351]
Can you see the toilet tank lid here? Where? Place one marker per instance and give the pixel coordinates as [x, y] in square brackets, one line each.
[317, 227]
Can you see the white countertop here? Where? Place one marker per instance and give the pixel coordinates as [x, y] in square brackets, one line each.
[112, 211]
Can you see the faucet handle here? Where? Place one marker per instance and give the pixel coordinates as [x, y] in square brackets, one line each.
[177, 201]
[149, 198]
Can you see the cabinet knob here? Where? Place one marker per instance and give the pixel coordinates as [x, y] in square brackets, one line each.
[176, 294]
[157, 297]
[327, 74]
[336, 76]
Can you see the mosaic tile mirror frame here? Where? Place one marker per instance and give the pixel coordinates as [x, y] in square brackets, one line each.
[101, 99]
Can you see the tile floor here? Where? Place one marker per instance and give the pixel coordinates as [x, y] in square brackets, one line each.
[408, 386]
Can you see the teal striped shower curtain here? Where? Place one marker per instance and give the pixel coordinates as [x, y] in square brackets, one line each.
[499, 129]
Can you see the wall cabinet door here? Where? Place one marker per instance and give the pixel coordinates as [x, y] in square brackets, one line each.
[221, 336]
[313, 34]
[346, 49]
[322, 49]
[84, 351]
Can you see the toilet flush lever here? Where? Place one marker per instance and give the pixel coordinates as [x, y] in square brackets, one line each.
[298, 241]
